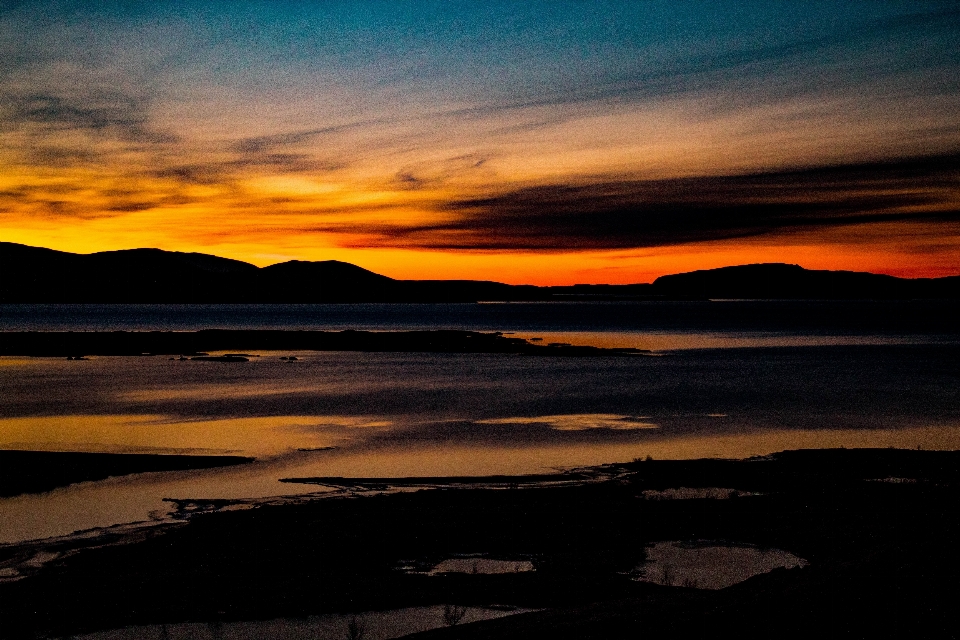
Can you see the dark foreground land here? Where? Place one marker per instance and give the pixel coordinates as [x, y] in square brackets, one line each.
[879, 529]
[39, 471]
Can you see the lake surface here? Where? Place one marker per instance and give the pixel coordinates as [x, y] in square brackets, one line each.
[729, 379]
[802, 317]
[710, 565]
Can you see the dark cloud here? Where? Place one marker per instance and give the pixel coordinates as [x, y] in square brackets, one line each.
[261, 144]
[633, 214]
[272, 142]
[120, 115]
[205, 173]
[57, 111]
[409, 181]
[285, 153]
[286, 163]
[226, 173]
[440, 173]
[61, 157]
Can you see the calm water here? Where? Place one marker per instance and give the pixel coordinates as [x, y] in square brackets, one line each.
[820, 318]
[729, 379]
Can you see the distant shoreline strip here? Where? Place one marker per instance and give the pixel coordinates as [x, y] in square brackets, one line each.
[78, 344]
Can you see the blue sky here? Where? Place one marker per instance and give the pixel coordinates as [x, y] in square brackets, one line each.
[383, 127]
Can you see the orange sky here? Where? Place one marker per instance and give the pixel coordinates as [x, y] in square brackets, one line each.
[422, 152]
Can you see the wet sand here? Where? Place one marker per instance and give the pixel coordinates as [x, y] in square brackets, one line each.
[40, 471]
[876, 527]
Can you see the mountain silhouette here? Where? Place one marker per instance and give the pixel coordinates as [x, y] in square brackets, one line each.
[39, 275]
[327, 280]
[325, 269]
[172, 262]
[135, 275]
[765, 281]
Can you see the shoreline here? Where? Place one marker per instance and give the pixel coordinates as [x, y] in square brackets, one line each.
[32, 472]
[195, 344]
[877, 527]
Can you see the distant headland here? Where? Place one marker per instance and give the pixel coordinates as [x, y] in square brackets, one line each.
[38, 275]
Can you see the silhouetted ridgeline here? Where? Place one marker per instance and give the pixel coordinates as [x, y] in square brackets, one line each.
[32, 274]
[759, 281]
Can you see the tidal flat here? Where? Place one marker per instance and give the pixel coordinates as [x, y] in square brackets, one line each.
[876, 554]
[41, 471]
[422, 414]
[380, 479]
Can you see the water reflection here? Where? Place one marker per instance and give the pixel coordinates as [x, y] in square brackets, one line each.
[581, 422]
[478, 565]
[421, 414]
[249, 436]
[660, 341]
[710, 565]
[376, 625]
[141, 497]
[798, 317]
[135, 498]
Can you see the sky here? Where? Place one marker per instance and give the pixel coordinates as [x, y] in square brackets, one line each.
[541, 143]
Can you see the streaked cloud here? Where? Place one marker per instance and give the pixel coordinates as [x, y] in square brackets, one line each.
[630, 214]
[499, 127]
[117, 114]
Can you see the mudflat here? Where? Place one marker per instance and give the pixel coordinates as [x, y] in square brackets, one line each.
[39, 471]
[876, 530]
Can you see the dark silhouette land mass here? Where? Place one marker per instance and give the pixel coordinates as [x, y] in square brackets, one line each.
[878, 528]
[40, 471]
[37, 275]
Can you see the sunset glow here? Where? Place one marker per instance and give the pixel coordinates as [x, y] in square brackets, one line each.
[533, 144]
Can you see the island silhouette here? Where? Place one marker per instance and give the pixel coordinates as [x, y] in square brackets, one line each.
[38, 275]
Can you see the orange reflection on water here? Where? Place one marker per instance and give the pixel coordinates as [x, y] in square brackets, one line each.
[680, 340]
[241, 389]
[446, 459]
[580, 422]
[251, 436]
[140, 497]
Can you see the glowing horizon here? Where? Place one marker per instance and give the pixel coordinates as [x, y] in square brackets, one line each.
[555, 144]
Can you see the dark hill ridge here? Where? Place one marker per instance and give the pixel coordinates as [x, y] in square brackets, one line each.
[134, 275]
[42, 260]
[326, 269]
[33, 275]
[327, 280]
[171, 261]
[765, 281]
